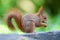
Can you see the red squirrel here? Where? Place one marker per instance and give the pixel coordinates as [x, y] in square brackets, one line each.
[28, 22]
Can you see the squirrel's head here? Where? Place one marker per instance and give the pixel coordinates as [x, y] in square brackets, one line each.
[42, 16]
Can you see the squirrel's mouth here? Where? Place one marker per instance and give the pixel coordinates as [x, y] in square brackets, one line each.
[43, 21]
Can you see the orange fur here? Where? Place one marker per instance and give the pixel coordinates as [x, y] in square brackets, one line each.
[26, 23]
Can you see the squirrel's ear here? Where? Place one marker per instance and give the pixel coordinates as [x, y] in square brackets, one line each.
[40, 11]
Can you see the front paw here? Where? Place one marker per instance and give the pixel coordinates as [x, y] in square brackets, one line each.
[44, 24]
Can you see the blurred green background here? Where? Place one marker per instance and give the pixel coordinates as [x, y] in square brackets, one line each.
[51, 8]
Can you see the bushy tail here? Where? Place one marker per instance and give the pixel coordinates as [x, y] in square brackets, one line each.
[14, 13]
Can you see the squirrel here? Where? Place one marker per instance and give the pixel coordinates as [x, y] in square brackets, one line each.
[28, 22]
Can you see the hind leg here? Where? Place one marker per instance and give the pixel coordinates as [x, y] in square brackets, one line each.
[30, 26]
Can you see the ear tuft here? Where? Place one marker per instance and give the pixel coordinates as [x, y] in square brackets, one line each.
[40, 11]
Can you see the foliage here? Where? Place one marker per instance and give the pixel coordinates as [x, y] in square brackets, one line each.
[51, 7]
